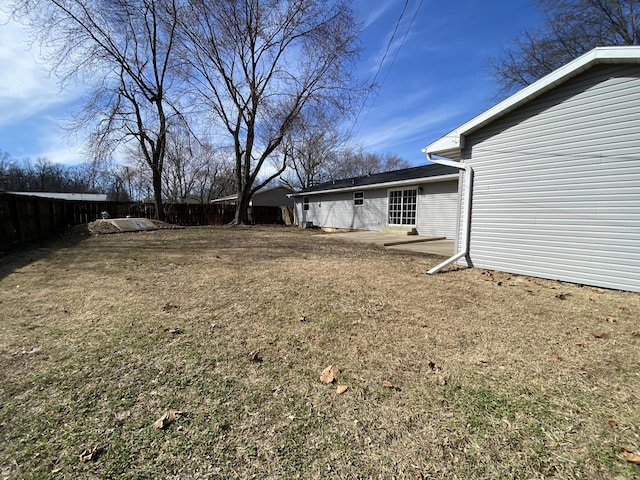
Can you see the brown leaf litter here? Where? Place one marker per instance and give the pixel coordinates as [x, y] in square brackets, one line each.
[329, 374]
[168, 417]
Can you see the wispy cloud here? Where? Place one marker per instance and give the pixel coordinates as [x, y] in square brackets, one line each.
[26, 88]
[387, 136]
[389, 44]
[371, 14]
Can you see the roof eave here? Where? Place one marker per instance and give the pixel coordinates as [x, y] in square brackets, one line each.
[374, 186]
[454, 141]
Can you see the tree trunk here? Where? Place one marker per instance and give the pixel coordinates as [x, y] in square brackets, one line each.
[157, 195]
[242, 209]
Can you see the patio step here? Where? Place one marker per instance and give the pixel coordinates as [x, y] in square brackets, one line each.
[414, 240]
[400, 230]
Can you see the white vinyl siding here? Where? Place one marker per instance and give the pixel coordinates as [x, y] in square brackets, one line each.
[437, 209]
[557, 183]
[337, 210]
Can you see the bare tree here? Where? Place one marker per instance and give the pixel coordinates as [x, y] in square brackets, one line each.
[218, 178]
[256, 64]
[182, 167]
[195, 170]
[313, 145]
[570, 28]
[359, 163]
[129, 45]
[43, 175]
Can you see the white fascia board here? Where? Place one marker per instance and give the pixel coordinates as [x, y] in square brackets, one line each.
[230, 198]
[454, 140]
[375, 186]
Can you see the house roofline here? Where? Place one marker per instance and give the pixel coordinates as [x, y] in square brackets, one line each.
[374, 186]
[234, 197]
[453, 141]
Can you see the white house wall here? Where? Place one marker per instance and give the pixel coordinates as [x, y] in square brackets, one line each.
[557, 183]
[437, 209]
[436, 215]
[337, 210]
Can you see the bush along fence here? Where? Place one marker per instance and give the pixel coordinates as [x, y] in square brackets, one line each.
[26, 218]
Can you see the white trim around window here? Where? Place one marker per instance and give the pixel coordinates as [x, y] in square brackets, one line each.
[402, 206]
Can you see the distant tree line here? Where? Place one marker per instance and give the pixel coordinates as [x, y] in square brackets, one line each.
[193, 173]
[41, 175]
[188, 178]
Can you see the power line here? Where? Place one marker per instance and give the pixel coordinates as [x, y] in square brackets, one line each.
[393, 36]
[404, 39]
[372, 85]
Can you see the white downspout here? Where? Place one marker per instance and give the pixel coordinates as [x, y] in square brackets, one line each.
[466, 213]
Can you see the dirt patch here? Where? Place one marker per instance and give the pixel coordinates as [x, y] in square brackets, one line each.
[464, 374]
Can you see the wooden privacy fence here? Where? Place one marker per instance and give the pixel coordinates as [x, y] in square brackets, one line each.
[217, 214]
[25, 218]
[28, 218]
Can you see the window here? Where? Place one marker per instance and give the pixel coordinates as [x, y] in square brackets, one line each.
[305, 203]
[358, 198]
[403, 206]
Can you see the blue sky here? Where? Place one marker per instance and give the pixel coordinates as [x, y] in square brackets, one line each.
[433, 81]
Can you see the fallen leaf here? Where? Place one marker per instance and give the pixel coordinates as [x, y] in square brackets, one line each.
[581, 344]
[555, 357]
[599, 334]
[630, 456]
[341, 389]
[389, 385]
[168, 417]
[254, 357]
[329, 374]
[562, 296]
[434, 366]
[635, 333]
[613, 423]
[89, 454]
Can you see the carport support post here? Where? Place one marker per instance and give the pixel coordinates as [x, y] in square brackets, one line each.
[466, 217]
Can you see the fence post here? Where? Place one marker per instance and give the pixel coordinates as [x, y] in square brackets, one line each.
[15, 216]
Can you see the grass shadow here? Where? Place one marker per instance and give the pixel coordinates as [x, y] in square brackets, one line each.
[19, 256]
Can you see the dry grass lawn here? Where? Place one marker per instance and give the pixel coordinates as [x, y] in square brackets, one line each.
[465, 374]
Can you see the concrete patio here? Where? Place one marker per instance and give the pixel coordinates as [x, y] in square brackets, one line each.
[414, 243]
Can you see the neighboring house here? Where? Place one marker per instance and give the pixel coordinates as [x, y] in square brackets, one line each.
[556, 175]
[85, 197]
[267, 197]
[424, 198]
